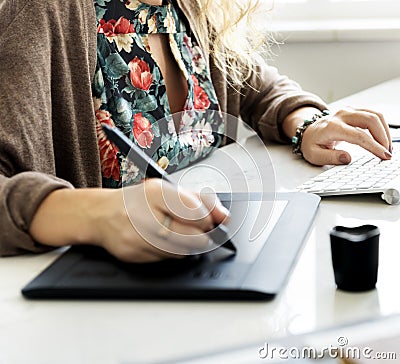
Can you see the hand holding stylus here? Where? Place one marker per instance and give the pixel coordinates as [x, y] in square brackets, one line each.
[216, 231]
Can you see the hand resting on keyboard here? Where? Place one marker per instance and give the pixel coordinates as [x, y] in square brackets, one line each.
[365, 174]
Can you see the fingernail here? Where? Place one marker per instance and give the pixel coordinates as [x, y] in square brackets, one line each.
[223, 209]
[388, 155]
[391, 148]
[344, 159]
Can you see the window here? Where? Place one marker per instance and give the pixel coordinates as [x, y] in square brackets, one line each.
[334, 9]
[334, 20]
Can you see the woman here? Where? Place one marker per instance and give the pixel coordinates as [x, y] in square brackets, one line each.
[154, 58]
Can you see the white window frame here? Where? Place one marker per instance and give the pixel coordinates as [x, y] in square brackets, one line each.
[335, 9]
[335, 20]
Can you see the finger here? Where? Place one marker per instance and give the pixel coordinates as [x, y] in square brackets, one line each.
[148, 251]
[322, 156]
[370, 121]
[180, 238]
[354, 135]
[384, 124]
[219, 213]
[184, 206]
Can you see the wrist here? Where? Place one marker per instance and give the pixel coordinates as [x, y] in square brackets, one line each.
[70, 217]
[297, 139]
[296, 119]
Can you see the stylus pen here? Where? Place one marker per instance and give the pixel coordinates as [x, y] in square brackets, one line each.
[153, 170]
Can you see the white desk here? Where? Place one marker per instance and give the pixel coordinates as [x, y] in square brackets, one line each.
[138, 332]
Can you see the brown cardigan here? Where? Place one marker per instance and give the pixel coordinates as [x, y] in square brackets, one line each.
[47, 133]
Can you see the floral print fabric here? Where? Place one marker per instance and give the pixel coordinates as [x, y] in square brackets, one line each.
[129, 90]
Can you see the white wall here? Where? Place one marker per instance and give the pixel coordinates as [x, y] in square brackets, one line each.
[335, 69]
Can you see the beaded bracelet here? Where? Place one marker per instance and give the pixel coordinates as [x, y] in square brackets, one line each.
[298, 137]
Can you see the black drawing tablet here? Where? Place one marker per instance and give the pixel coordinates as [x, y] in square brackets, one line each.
[269, 231]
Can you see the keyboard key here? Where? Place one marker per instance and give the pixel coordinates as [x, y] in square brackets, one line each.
[319, 178]
[365, 184]
[334, 187]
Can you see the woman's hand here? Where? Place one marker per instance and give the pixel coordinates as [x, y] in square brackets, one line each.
[143, 223]
[156, 220]
[350, 125]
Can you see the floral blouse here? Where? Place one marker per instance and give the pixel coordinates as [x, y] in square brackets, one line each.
[129, 90]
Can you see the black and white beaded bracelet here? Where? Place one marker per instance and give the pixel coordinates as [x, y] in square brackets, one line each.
[298, 137]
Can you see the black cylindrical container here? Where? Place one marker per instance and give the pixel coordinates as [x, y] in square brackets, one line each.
[355, 257]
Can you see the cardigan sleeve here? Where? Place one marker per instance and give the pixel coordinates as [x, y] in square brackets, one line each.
[268, 97]
[34, 116]
[20, 196]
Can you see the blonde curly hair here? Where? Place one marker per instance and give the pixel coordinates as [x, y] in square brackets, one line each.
[229, 22]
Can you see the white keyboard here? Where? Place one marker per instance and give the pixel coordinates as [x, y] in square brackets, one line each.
[365, 174]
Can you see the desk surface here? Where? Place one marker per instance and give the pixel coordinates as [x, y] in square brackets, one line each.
[140, 332]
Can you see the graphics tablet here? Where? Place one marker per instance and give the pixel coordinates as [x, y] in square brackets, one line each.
[269, 231]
